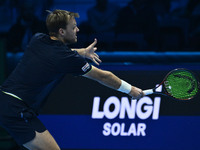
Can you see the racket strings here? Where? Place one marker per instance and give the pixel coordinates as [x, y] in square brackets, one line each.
[191, 83]
[181, 84]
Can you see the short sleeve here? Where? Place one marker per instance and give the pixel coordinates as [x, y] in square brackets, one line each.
[72, 62]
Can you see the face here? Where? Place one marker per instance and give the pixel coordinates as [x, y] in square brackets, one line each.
[69, 35]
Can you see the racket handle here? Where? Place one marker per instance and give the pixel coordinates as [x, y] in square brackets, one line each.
[148, 92]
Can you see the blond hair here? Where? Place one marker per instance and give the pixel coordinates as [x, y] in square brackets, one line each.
[58, 19]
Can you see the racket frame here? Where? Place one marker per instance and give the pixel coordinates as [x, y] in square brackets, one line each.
[165, 92]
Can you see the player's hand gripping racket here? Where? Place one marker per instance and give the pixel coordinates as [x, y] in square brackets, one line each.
[179, 83]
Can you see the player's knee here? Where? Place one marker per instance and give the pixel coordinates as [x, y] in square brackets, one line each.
[42, 141]
[41, 147]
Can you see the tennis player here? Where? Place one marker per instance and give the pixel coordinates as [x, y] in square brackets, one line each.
[45, 62]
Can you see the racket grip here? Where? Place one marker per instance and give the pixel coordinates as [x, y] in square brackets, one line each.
[148, 92]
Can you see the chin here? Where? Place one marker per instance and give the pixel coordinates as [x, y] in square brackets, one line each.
[71, 41]
[75, 41]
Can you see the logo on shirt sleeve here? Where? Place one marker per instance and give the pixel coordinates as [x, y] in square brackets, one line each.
[85, 67]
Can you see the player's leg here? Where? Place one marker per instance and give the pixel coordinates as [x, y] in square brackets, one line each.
[42, 141]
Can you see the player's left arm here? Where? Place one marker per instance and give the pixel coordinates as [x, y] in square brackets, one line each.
[89, 52]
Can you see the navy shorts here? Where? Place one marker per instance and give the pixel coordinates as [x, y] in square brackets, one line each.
[19, 120]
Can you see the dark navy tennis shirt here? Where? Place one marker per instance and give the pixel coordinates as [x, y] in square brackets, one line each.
[44, 64]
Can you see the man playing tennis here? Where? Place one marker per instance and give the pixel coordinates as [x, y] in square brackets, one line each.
[45, 62]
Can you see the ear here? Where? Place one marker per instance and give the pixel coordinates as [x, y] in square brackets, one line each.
[61, 31]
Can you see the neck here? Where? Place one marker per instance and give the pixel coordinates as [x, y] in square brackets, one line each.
[54, 38]
[57, 39]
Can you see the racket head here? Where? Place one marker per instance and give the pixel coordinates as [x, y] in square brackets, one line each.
[181, 84]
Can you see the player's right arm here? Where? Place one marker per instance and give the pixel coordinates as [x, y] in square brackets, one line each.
[110, 80]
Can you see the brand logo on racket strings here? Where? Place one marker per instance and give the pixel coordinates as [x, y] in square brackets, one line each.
[143, 109]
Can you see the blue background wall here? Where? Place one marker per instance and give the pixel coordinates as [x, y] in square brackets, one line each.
[68, 111]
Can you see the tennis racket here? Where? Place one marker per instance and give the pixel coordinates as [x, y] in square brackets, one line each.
[179, 83]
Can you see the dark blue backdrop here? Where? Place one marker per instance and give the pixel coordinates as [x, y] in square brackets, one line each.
[68, 113]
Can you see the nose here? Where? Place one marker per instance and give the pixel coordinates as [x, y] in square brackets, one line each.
[77, 29]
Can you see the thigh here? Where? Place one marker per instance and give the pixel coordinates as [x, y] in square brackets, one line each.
[42, 141]
[19, 120]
